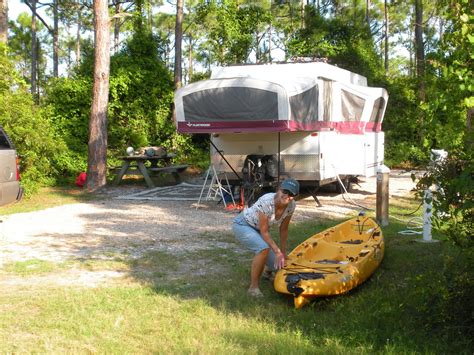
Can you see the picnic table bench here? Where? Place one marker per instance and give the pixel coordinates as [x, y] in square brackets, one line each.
[175, 170]
[135, 165]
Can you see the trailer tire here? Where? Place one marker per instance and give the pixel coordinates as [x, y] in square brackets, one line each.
[346, 181]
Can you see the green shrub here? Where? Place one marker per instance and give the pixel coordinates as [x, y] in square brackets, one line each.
[141, 95]
[38, 143]
[67, 104]
[348, 45]
[404, 154]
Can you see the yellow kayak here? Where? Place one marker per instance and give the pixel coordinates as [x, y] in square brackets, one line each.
[333, 261]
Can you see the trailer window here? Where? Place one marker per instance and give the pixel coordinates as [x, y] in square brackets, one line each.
[231, 104]
[327, 104]
[352, 106]
[377, 111]
[304, 106]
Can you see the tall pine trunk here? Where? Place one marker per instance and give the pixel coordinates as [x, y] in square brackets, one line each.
[33, 49]
[420, 50]
[420, 63]
[55, 39]
[367, 12]
[270, 31]
[4, 21]
[178, 35]
[469, 129]
[386, 35]
[302, 13]
[117, 27]
[78, 35]
[97, 161]
[190, 58]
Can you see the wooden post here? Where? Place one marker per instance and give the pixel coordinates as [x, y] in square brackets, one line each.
[381, 211]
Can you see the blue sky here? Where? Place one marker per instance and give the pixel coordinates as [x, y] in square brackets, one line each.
[16, 7]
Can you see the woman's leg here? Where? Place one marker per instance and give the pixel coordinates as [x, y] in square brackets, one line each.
[252, 239]
[258, 264]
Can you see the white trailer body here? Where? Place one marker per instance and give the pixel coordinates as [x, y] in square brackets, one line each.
[312, 157]
[315, 120]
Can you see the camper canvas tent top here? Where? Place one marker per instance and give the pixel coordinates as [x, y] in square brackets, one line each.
[280, 98]
[314, 121]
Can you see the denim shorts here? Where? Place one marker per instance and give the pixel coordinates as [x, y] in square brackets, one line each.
[252, 239]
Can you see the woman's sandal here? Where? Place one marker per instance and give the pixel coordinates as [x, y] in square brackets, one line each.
[255, 292]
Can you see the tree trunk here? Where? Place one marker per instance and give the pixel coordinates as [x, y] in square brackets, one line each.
[302, 14]
[257, 49]
[411, 46]
[149, 12]
[55, 39]
[469, 129]
[419, 50]
[178, 43]
[190, 58]
[367, 14]
[97, 161]
[38, 71]
[386, 35]
[270, 31]
[4, 21]
[33, 48]
[69, 60]
[116, 27]
[78, 35]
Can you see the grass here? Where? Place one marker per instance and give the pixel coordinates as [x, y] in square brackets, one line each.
[32, 267]
[169, 308]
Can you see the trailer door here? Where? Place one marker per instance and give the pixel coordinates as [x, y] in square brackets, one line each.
[373, 152]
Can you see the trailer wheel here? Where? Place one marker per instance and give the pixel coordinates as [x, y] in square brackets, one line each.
[346, 181]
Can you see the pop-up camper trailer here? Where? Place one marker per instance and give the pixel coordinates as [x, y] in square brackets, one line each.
[311, 121]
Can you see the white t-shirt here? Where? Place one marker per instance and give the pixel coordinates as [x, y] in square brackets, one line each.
[266, 205]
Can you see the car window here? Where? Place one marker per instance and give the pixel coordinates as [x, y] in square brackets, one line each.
[5, 142]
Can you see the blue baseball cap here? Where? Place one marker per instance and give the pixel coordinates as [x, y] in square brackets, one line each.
[291, 185]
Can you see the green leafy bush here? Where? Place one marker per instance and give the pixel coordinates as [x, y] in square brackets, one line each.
[67, 104]
[404, 154]
[140, 101]
[348, 45]
[38, 144]
[141, 97]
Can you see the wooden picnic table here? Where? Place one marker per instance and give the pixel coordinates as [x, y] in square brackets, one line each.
[135, 165]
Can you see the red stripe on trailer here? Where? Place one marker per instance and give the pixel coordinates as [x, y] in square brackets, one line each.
[277, 126]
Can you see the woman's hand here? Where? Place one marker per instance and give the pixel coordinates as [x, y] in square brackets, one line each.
[279, 260]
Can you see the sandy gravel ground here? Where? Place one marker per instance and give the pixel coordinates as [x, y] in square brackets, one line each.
[111, 227]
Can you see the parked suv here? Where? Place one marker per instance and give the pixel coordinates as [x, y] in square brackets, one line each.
[10, 189]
